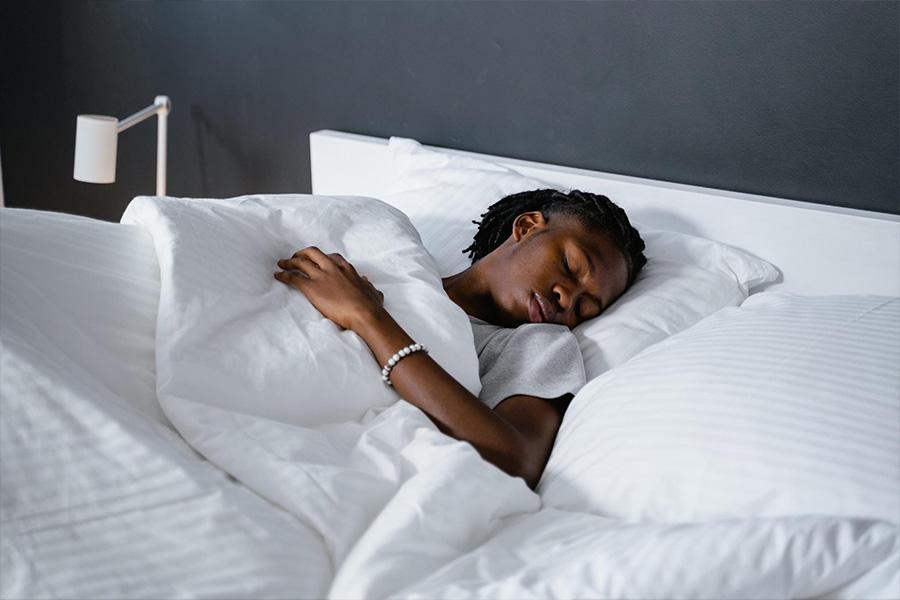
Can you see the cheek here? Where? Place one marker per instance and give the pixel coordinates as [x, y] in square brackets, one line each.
[513, 283]
[520, 271]
[541, 271]
[528, 270]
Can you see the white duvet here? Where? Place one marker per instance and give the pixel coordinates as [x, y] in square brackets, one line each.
[102, 500]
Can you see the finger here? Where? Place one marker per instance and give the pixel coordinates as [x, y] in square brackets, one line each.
[292, 277]
[339, 260]
[343, 263]
[300, 263]
[317, 256]
[302, 254]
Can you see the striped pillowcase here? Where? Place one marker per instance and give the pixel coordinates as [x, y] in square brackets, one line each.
[787, 405]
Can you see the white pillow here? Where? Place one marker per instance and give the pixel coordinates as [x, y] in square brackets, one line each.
[442, 194]
[788, 405]
[231, 336]
[686, 278]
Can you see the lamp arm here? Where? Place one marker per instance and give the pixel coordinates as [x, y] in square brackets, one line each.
[161, 106]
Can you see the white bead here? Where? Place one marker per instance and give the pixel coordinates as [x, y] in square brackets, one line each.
[392, 361]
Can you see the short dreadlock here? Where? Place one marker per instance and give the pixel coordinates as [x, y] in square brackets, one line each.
[594, 210]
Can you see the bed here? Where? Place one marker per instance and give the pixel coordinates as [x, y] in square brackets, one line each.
[738, 436]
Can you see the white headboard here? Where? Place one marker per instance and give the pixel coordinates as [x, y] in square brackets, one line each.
[819, 249]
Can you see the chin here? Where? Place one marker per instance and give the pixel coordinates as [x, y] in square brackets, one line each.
[513, 314]
[511, 319]
[514, 321]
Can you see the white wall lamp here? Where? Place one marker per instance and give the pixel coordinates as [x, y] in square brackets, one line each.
[96, 141]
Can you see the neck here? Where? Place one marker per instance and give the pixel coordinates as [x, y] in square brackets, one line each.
[469, 290]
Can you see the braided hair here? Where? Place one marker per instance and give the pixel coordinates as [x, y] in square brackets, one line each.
[594, 210]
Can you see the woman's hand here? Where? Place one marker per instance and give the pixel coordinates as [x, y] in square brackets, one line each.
[332, 285]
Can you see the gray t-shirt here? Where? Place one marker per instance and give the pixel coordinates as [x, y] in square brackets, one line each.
[535, 359]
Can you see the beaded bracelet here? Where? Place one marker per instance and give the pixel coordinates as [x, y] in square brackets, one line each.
[401, 354]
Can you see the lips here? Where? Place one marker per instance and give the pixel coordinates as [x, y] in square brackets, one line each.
[538, 309]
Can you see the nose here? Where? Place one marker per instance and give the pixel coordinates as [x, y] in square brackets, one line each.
[564, 297]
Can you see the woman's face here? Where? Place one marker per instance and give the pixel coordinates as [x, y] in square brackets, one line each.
[555, 270]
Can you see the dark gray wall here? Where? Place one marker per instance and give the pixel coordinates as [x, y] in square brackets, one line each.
[797, 100]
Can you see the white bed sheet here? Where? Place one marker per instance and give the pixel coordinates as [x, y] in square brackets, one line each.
[99, 501]
[84, 290]
[100, 498]
[103, 499]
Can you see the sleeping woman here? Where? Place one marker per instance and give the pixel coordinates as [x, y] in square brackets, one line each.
[542, 262]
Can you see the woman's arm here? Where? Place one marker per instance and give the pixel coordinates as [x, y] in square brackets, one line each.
[517, 437]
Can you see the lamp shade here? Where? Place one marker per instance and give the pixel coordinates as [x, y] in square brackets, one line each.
[96, 141]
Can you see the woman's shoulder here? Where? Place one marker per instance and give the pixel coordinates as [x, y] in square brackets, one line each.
[524, 328]
[530, 333]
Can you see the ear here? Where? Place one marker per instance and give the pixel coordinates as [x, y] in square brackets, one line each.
[527, 223]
